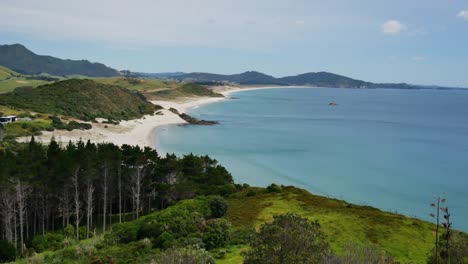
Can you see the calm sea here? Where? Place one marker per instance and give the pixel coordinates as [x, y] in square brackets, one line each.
[392, 149]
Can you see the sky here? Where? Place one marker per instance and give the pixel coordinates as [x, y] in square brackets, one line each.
[417, 41]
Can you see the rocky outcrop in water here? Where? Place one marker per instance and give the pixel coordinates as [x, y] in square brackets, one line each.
[193, 120]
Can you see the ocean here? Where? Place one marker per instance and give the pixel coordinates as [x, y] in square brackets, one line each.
[388, 148]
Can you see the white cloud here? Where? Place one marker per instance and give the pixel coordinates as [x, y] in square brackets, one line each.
[393, 27]
[463, 14]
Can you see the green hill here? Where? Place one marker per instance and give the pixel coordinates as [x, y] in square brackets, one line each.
[20, 59]
[6, 73]
[139, 84]
[186, 90]
[84, 99]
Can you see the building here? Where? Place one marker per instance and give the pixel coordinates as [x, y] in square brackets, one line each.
[7, 119]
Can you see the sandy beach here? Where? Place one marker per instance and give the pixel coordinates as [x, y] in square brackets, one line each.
[140, 131]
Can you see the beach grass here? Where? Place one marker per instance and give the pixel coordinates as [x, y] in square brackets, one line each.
[407, 239]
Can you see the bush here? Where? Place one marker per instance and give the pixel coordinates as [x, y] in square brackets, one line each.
[123, 233]
[218, 206]
[251, 192]
[165, 240]
[186, 256]
[48, 241]
[273, 188]
[69, 231]
[242, 236]
[83, 231]
[288, 239]
[7, 251]
[216, 233]
[150, 230]
[191, 241]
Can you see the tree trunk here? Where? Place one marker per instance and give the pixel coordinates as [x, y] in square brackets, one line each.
[77, 203]
[20, 197]
[89, 205]
[136, 190]
[119, 179]
[104, 198]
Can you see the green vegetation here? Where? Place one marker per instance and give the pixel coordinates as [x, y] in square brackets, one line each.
[407, 239]
[6, 73]
[83, 99]
[186, 90]
[26, 128]
[138, 84]
[7, 251]
[185, 209]
[9, 80]
[288, 239]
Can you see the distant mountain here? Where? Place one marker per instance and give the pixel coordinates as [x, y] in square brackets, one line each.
[20, 59]
[317, 79]
[250, 77]
[160, 75]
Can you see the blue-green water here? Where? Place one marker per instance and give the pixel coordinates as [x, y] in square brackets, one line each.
[392, 149]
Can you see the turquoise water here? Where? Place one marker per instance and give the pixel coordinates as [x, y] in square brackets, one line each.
[392, 149]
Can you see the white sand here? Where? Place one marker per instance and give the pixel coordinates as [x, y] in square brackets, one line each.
[138, 131]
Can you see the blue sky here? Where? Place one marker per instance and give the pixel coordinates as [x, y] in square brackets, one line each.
[418, 41]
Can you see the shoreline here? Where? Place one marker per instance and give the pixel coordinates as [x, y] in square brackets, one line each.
[141, 131]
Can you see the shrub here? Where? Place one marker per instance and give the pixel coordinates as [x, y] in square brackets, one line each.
[218, 206]
[69, 231]
[251, 192]
[220, 253]
[123, 233]
[144, 245]
[191, 241]
[186, 256]
[165, 240]
[242, 236]
[216, 233]
[48, 241]
[273, 188]
[150, 230]
[227, 189]
[288, 239]
[7, 251]
[83, 231]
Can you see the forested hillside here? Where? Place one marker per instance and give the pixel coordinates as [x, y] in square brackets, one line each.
[91, 186]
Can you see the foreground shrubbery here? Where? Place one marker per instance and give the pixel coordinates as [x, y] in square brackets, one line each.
[288, 239]
[7, 251]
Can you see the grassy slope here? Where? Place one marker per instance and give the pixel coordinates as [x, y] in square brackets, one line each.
[139, 84]
[186, 90]
[80, 99]
[6, 73]
[9, 80]
[407, 239]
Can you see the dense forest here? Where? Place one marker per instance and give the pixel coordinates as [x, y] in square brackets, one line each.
[85, 184]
